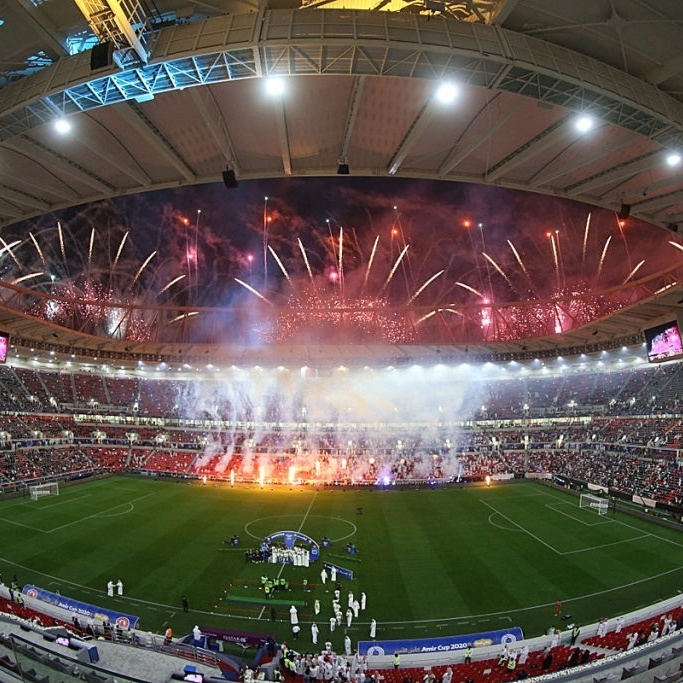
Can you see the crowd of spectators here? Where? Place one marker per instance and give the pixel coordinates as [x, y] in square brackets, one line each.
[597, 390]
[617, 429]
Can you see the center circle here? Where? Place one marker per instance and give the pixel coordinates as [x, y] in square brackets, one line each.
[260, 527]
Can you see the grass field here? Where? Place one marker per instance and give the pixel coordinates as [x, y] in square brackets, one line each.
[432, 562]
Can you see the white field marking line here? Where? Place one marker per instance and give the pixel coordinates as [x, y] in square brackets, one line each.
[336, 539]
[107, 515]
[538, 494]
[562, 553]
[605, 545]
[576, 519]
[102, 513]
[628, 526]
[310, 505]
[68, 501]
[123, 488]
[23, 526]
[500, 526]
[97, 514]
[659, 538]
[472, 618]
[301, 526]
[588, 548]
[253, 521]
[521, 528]
[552, 496]
[89, 589]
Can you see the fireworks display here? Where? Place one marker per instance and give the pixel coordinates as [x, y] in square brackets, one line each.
[396, 263]
[425, 273]
[77, 287]
[324, 318]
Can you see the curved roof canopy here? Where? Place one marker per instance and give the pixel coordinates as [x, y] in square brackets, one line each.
[177, 97]
[581, 100]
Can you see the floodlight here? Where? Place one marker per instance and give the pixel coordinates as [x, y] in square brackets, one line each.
[446, 93]
[584, 123]
[62, 126]
[275, 86]
[673, 159]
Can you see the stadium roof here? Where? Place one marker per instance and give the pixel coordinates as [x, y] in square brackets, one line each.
[174, 94]
[190, 101]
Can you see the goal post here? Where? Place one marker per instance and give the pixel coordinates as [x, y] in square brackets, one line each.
[588, 500]
[39, 490]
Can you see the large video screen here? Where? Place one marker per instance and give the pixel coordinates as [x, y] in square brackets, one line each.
[664, 342]
[4, 346]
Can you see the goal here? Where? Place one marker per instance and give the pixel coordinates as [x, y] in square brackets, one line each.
[40, 490]
[600, 505]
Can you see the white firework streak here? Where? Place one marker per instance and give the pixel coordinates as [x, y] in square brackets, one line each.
[393, 270]
[252, 290]
[425, 285]
[305, 256]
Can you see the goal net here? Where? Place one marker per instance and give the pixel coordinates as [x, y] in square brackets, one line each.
[600, 505]
[40, 490]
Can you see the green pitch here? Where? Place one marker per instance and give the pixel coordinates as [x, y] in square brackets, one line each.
[431, 562]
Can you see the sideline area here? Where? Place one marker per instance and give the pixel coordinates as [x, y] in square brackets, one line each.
[610, 650]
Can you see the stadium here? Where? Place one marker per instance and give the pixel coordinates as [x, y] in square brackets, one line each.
[341, 341]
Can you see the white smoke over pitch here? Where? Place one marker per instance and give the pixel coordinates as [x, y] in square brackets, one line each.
[412, 411]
